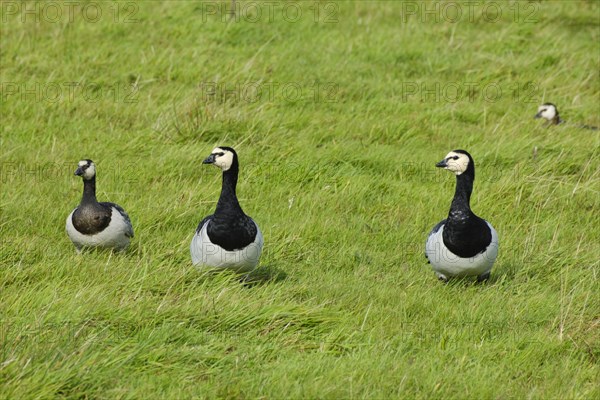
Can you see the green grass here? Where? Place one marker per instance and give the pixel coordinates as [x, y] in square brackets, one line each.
[342, 184]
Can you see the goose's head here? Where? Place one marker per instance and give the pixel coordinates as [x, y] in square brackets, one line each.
[547, 111]
[458, 161]
[222, 157]
[86, 169]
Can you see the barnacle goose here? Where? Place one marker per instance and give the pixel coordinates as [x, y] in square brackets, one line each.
[549, 112]
[463, 244]
[94, 224]
[227, 239]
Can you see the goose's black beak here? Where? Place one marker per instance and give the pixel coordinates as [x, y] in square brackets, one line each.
[538, 115]
[79, 171]
[209, 160]
[442, 164]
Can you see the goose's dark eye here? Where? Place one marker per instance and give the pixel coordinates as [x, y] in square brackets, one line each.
[455, 158]
[220, 154]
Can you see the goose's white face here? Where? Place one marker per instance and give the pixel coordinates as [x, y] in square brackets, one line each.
[456, 162]
[223, 158]
[548, 112]
[87, 169]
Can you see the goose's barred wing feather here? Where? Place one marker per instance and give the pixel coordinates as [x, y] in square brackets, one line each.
[433, 231]
[201, 224]
[121, 211]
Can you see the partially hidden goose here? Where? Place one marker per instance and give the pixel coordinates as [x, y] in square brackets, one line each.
[549, 112]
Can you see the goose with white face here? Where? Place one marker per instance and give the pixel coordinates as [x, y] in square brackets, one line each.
[463, 244]
[455, 162]
[547, 111]
[86, 169]
[97, 224]
[221, 158]
[228, 239]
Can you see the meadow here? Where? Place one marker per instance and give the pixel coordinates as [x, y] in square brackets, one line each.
[339, 112]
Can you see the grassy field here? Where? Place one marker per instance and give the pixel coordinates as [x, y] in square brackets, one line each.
[338, 111]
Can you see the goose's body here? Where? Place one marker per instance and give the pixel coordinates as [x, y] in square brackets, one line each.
[447, 264]
[463, 244]
[227, 239]
[549, 112]
[206, 252]
[94, 224]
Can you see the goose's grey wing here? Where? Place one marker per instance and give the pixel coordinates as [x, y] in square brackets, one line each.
[433, 231]
[121, 211]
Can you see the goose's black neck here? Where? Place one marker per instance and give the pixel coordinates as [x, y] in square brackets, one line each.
[465, 234]
[461, 203]
[557, 120]
[89, 191]
[228, 202]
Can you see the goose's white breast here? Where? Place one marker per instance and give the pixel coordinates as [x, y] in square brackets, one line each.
[205, 253]
[449, 264]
